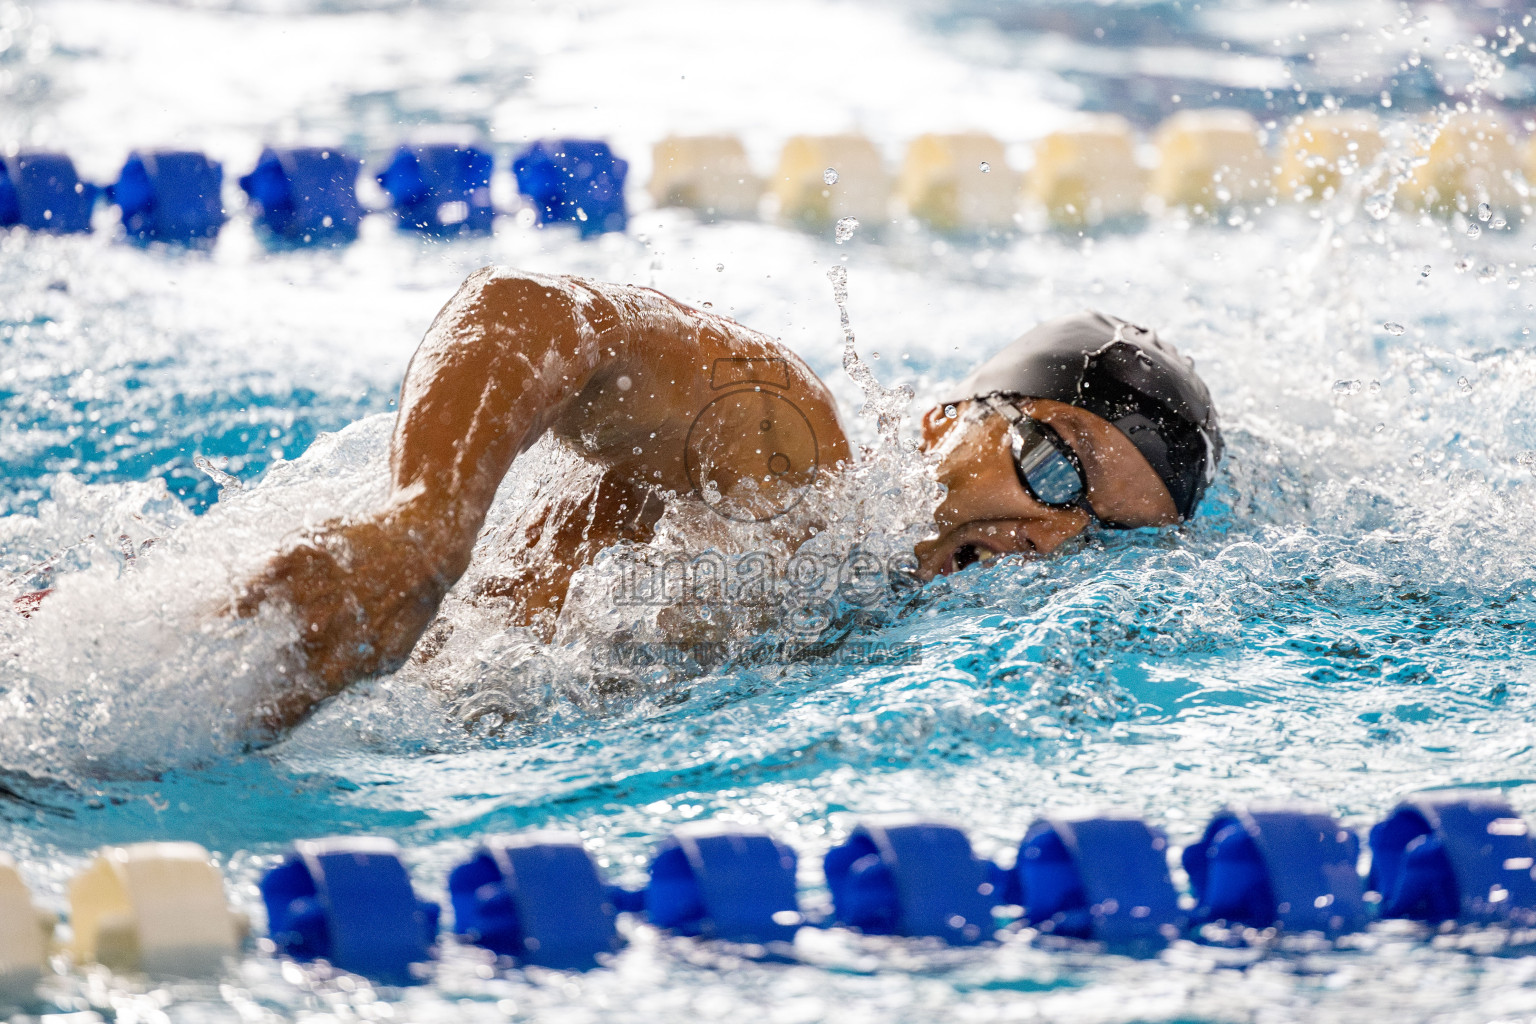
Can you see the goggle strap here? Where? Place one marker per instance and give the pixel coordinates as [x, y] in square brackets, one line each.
[1007, 410]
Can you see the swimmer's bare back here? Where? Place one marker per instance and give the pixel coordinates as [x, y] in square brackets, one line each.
[656, 395]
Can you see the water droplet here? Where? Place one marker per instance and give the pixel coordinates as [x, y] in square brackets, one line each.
[1484, 211]
[216, 473]
[883, 405]
[624, 383]
[719, 268]
[1498, 223]
[1463, 265]
[1346, 387]
[1416, 459]
[1464, 384]
[950, 412]
[709, 305]
[1473, 231]
[1374, 387]
[829, 175]
[1487, 272]
[1424, 272]
[1526, 458]
[985, 167]
[1393, 328]
[1379, 205]
[638, 450]
[845, 229]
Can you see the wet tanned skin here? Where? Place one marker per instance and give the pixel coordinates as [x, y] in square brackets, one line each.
[987, 512]
[610, 369]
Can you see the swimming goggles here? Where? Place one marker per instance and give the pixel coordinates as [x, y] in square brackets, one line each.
[1047, 466]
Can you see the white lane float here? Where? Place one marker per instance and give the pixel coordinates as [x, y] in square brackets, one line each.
[25, 932]
[153, 907]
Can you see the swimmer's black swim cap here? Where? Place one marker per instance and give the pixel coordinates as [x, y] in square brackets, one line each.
[1121, 373]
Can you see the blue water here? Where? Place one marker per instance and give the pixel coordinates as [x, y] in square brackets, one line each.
[1347, 620]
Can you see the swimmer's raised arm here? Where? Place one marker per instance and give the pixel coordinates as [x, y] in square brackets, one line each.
[495, 369]
[624, 372]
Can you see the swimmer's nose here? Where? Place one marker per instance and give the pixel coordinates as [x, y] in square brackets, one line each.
[1049, 532]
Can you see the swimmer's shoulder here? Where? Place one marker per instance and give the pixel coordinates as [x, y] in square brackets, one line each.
[626, 313]
[499, 293]
[513, 282]
[620, 312]
[647, 332]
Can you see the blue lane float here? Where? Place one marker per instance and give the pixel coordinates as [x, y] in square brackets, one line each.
[1452, 856]
[577, 181]
[349, 901]
[1101, 878]
[42, 192]
[1288, 867]
[724, 881]
[537, 897]
[305, 195]
[170, 196]
[442, 188]
[908, 876]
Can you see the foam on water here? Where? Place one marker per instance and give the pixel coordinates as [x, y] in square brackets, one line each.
[133, 662]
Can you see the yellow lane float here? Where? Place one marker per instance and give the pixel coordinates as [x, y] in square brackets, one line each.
[1473, 159]
[958, 182]
[1211, 159]
[1321, 150]
[707, 173]
[1087, 174]
[824, 178]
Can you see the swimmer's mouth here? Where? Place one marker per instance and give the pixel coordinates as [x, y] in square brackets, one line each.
[967, 555]
[978, 543]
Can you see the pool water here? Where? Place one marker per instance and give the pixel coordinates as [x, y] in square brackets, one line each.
[1347, 620]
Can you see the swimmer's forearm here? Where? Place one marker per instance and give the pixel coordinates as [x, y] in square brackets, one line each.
[494, 366]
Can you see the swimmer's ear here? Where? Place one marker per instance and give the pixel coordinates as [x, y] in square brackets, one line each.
[936, 425]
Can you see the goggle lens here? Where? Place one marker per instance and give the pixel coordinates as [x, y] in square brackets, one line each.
[1045, 469]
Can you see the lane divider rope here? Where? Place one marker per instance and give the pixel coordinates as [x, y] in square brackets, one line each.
[540, 898]
[1210, 163]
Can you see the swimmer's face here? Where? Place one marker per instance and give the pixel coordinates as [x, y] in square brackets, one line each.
[987, 512]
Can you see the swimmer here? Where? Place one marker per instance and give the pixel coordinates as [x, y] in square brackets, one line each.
[1083, 419]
